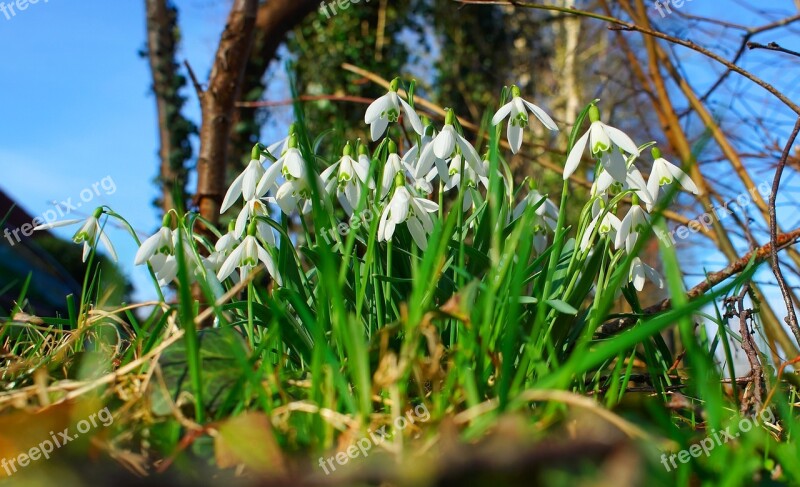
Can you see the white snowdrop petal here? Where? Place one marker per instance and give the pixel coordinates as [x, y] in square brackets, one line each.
[575, 155]
[502, 113]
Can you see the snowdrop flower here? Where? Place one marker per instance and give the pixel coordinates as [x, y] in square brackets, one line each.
[223, 248]
[404, 207]
[346, 176]
[641, 271]
[387, 109]
[547, 211]
[282, 145]
[606, 224]
[252, 209]
[294, 193]
[160, 243]
[603, 137]
[296, 188]
[364, 161]
[290, 165]
[469, 180]
[518, 109]
[444, 146]
[633, 223]
[411, 157]
[393, 167]
[545, 217]
[158, 250]
[245, 183]
[664, 173]
[90, 232]
[247, 256]
[632, 180]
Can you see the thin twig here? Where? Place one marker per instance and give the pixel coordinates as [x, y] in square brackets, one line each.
[791, 317]
[772, 46]
[750, 348]
[290, 101]
[654, 33]
[197, 86]
[761, 254]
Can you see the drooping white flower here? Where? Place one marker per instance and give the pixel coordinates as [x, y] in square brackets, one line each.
[160, 243]
[387, 109]
[90, 232]
[294, 194]
[158, 250]
[393, 166]
[222, 249]
[279, 147]
[247, 256]
[632, 179]
[518, 110]
[444, 147]
[412, 156]
[664, 173]
[606, 223]
[290, 165]
[633, 224]
[346, 176]
[245, 184]
[641, 271]
[252, 209]
[545, 216]
[365, 162]
[603, 138]
[414, 211]
[296, 188]
[546, 211]
[467, 181]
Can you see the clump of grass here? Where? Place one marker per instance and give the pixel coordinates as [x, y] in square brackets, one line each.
[479, 312]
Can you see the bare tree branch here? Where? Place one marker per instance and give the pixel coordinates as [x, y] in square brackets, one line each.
[761, 254]
[217, 104]
[791, 317]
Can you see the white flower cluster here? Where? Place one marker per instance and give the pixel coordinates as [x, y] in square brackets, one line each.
[616, 153]
[400, 188]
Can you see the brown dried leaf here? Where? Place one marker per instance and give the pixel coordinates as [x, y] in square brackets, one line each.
[248, 440]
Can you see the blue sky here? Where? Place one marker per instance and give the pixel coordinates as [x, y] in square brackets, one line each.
[76, 105]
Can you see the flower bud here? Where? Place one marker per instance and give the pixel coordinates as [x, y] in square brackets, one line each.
[399, 180]
[594, 114]
[450, 118]
[255, 153]
[656, 152]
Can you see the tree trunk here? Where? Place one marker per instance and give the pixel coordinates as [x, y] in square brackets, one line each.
[274, 20]
[217, 106]
[173, 129]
